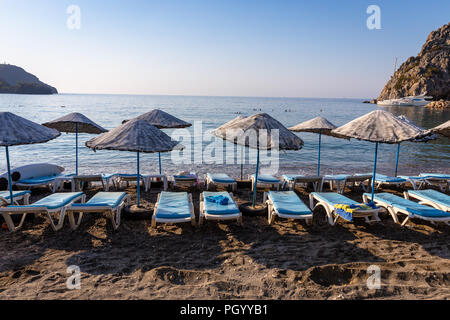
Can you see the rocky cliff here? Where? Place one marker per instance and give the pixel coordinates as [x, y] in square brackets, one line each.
[428, 73]
[14, 79]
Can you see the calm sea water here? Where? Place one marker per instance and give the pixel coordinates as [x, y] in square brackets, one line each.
[337, 155]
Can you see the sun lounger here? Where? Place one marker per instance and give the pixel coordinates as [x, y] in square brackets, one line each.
[416, 182]
[286, 204]
[396, 205]
[5, 197]
[53, 182]
[266, 180]
[105, 179]
[190, 180]
[127, 178]
[381, 179]
[328, 200]
[173, 207]
[341, 181]
[220, 179]
[440, 180]
[54, 203]
[214, 211]
[111, 203]
[291, 180]
[155, 177]
[430, 197]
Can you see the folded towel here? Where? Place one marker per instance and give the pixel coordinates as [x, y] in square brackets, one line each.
[346, 211]
[218, 199]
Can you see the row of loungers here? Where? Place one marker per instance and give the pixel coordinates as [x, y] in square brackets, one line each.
[177, 207]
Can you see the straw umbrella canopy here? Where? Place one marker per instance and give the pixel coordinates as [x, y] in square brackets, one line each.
[15, 130]
[261, 125]
[75, 123]
[318, 125]
[380, 127]
[422, 139]
[136, 136]
[224, 127]
[163, 120]
[443, 129]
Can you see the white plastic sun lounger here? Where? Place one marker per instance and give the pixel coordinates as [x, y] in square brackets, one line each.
[440, 180]
[127, 178]
[341, 181]
[188, 179]
[381, 179]
[110, 203]
[287, 205]
[54, 203]
[220, 179]
[431, 198]
[327, 200]
[105, 179]
[5, 197]
[396, 205]
[173, 207]
[290, 180]
[53, 182]
[266, 180]
[214, 211]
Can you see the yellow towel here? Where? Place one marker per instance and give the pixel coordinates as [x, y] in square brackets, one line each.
[347, 207]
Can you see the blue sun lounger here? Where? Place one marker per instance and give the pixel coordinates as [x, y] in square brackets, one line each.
[173, 207]
[54, 203]
[5, 197]
[290, 180]
[441, 180]
[286, 204]
[430, 197]
[220, 179]
[341, 181]
[266, 179]
[52, 181]
[381, 179]
[215, 211]
[396, 205]
[111, 203]
[328, 200]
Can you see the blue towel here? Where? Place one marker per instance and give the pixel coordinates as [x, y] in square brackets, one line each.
[344, 214]
[218, 199]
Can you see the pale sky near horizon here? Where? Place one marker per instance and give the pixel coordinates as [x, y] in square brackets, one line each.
[216, 48]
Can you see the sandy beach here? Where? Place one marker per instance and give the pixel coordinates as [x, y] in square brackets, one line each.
[286, 260]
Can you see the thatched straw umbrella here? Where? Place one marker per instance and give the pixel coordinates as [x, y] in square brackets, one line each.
[423, 139]
[75, 123]
[15, 130]
[224, 127]
[262, 126]
[380, 127]
[136, 136]
[163, 120]
[443, 129]
[318, 125]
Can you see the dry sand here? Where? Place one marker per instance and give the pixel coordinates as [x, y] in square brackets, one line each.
[288, 260]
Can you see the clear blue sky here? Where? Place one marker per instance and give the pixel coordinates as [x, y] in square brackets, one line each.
[227, 48]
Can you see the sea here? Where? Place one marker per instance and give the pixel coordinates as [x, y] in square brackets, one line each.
[208, 113]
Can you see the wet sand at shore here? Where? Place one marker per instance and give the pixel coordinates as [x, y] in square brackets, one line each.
[286, 260]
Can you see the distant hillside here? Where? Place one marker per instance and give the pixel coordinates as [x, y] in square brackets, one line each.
[14, 79]
[428, 73]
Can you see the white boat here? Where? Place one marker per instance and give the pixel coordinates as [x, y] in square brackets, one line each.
[416, 101]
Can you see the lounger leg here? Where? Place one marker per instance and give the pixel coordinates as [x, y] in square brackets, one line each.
[393, 214]
[115, 217]
[405, 221]
[10, 223]
[153, 222]
[74, 225]
[60, 223]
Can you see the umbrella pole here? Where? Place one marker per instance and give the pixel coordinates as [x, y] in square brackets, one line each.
[374, 171]
[256, 179]
[318, 163]
[138, 182]
[9, 176]
[396, 162]
[159, 158]
[242, 162]
[76, 149]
